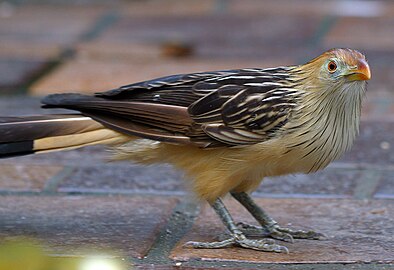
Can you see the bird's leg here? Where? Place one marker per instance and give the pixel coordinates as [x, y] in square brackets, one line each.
[269, 226]
[237, 238]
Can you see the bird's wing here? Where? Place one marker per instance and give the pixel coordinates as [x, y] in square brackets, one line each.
[243, 114]
[170, 90]
[234, 107]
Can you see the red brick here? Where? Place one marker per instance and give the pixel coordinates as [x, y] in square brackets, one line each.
[362, 33]
[386, 187]
[216, 35]
[357, 232]
[330, 181]
[77, 225]
[47, 25]
[20, 177]
[125, 178]
[168, 8]
[99, 75]
[367, 147]
[283, 7]
[16, 72]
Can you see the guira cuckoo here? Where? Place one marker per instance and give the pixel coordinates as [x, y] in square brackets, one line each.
[226, 130]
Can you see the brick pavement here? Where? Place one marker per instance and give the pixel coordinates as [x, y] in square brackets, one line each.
[75, 201]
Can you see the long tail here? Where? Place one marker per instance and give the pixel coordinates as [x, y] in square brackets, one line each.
[34, 134]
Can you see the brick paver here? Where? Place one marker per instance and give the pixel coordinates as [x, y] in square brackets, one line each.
[157, 8]
[386, 188]
[214, 35]
[31, 39]
[93, 75]
[331, 182]
[319, 7]
[15, 73]
[358, 231]
[75, 201]
[39, 25]
[373, 145]
[127, 178]
[21, 177]
[71, 225]
[376, 27]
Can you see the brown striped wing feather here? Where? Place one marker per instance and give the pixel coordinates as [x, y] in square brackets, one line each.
[234, 107]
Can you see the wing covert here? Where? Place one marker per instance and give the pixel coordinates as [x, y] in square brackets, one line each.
[242, 114]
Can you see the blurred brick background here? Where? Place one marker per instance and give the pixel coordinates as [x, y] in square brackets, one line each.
[75, 199]
[88, 46]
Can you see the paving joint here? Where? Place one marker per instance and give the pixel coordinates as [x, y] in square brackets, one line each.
[383, 108]
[83, 191]
[180, 222]
[367, 184]
[324, 27]
[47, 68]
[220, 6]
[102, 24]
[359, 166]
[289, 266]
[52, 183]
[383, 197]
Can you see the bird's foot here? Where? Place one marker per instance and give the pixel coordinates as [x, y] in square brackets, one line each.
[240, 240]
[277, 232]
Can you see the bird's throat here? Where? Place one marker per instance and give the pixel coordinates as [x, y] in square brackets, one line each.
[328, 126]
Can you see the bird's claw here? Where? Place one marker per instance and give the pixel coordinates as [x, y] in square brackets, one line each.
[300, 234]
[279, 233]
[267, 245]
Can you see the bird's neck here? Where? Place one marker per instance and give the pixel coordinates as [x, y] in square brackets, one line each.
[331, 118]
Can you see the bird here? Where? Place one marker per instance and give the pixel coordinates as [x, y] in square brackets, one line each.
[226, 130]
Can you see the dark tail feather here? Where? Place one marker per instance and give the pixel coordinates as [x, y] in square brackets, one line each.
[13, 149]
[33, 134]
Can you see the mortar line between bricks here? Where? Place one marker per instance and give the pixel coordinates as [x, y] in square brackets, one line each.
[102, 191]
[367, 184]
[290, 266]
[103, 23]
[68, 52]
[81, 191]
[52, 183]
[49, 67]
[383, 197]
[180, 222]
[220, 6]
[359, 166]
[180, 195]
[337, 165]
[324, 27]
[382, 106]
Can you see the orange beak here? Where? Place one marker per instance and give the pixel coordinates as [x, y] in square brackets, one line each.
[361, 72]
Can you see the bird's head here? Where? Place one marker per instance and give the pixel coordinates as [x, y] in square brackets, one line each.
[337, 69]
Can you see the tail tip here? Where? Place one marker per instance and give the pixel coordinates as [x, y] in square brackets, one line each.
[54, 100]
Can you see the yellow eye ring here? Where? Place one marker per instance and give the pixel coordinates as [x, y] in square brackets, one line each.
[332, 66]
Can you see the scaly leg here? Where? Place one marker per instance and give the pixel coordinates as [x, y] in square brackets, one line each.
[237, 238]
[269, 226]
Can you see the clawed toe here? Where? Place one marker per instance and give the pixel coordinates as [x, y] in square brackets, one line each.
[300, 234]
[262, 245]
[267, 245]
[279, 233]
[210, 245]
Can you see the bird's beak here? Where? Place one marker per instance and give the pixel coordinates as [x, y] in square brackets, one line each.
[361, 72]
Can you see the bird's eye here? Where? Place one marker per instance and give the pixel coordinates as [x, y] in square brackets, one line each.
[332, 66]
